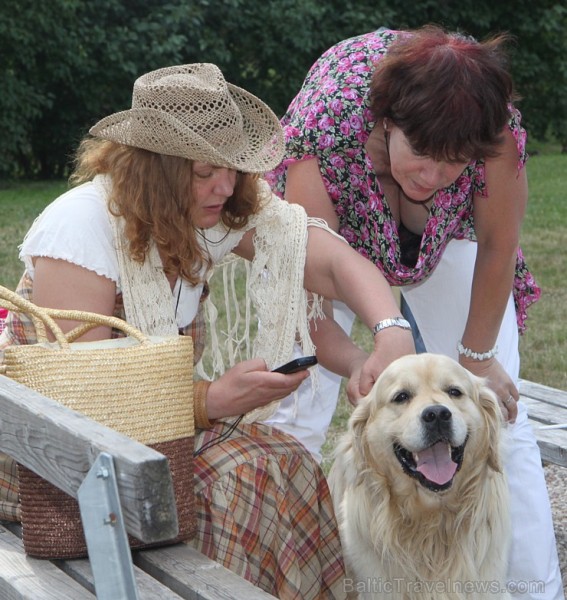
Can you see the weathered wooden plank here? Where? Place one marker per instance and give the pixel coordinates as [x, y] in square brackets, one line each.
[80, 571]
[545, 413]
[148, 587]
[552, 444]
[547, 406]
[543, 392]
[194, 576]
[61, 445]
[25, 578]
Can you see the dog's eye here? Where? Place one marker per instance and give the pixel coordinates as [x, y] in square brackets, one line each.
[401, 397]
[454, 392]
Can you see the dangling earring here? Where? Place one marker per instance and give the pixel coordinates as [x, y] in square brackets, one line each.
[385, 123]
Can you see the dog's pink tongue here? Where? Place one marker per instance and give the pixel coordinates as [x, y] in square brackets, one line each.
[435, 463]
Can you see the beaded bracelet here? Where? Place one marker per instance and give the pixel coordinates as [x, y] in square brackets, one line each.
[464, 351]
[200, 389]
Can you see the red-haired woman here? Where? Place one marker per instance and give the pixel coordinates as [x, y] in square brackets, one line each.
[408, 144]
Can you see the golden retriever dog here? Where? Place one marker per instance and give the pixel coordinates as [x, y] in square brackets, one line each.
[418, 486]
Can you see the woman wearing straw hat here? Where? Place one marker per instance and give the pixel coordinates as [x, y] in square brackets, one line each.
[165, 191]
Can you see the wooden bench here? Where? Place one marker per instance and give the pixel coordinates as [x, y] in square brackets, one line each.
[90, 462]
[68, 449]
[547, 409]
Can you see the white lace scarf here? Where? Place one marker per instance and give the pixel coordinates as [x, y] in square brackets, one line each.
[274, 285]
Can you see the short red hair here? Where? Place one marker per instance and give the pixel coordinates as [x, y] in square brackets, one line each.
[447, 92]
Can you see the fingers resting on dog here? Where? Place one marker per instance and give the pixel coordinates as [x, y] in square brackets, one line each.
[499, 382]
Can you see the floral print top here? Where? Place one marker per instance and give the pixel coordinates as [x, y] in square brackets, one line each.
[330, 119]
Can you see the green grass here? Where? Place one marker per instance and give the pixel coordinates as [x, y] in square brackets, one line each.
[543, 347]
[20, 203]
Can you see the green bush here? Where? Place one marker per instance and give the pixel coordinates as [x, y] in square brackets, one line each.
[66, 63]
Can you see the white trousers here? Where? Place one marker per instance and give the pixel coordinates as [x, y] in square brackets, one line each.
[440, 306]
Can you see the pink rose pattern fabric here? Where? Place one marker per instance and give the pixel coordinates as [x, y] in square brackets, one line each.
[330, 120]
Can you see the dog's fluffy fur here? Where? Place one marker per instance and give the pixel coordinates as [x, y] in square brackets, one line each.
[418, 486]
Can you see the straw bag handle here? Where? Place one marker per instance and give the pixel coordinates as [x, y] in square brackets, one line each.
[44, 317]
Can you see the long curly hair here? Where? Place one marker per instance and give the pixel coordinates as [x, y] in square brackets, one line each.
[153, 193]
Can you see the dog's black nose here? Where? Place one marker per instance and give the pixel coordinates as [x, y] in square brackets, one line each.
[436, 414]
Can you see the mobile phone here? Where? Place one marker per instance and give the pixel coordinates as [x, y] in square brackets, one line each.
[297, 364]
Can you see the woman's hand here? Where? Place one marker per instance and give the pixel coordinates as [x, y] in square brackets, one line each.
[353, 384]
[389, 344]
[249, 385]
[499, 382]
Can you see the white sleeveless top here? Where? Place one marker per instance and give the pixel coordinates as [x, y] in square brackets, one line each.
[76, 227]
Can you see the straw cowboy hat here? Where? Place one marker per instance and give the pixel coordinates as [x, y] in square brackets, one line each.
[192, 112]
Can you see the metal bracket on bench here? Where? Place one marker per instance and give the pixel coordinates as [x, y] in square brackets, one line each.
[103, 524]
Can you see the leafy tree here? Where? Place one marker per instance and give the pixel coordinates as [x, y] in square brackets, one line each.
[66, 63]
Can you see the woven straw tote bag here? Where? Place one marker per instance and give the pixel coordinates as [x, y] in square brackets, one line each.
[140, 386]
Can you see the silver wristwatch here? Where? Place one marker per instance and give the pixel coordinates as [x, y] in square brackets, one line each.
[392, 322]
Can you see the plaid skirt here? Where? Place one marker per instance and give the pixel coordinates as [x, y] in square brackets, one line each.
[264, 511]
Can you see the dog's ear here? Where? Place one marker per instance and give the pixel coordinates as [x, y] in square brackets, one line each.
[357, 425]
[493, 424]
